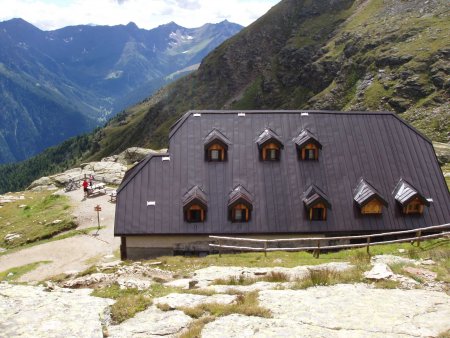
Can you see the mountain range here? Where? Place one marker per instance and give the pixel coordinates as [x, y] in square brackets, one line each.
[57, 84]
[322, 54]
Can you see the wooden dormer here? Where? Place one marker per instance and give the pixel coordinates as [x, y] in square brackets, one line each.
[269, 146]
[195, 205]
[411, 201]
[240, 205]
[316, 204]
[216, 147]
[307, 145]
[368, 199]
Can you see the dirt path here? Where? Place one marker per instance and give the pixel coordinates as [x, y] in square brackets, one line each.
[74, 253]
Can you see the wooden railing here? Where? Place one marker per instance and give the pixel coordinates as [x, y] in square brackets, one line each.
[316, 249]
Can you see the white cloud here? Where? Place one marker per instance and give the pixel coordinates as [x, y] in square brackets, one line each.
[53, 14]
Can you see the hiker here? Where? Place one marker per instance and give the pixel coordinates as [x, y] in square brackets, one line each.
[91, 180]
[85, 187]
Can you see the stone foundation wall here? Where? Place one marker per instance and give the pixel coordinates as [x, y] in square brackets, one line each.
[142, 247]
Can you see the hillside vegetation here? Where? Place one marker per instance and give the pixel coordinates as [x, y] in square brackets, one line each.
[303, 54]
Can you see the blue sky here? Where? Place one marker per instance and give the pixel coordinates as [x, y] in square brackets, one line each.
[53, 14]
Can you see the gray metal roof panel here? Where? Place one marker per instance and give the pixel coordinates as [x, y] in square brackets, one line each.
[214, 135]
[378, 146]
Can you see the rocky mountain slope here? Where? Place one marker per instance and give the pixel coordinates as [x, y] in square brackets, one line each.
[57, 84]
[325, 54]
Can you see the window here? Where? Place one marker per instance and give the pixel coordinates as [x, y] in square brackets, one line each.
[240, 214]
[318, 212]
[195, 214]
[271, 152]
[310, 152]
[216, 153]
[413, 207]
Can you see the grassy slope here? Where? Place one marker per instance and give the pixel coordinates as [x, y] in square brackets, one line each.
[34, 221]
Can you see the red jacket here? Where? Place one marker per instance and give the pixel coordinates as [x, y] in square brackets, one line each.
[85, 184]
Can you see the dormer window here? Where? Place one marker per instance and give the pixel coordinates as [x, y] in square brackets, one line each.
[269, 146]
[239, 205]
[410, 200]
[368, 199]
[316, 204]
[195, 205]
[216, 147]
[307, 146]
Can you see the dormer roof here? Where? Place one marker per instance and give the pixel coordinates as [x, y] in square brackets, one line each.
[268, 135]
[305, 137]
[405, 192]
[214, 136]
[314, 195]
[365, 192]
[195, 195]
[240, 194]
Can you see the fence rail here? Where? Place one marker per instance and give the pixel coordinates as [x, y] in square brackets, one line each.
[416, 239]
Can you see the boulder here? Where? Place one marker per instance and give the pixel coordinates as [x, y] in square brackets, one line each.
[43, 181]
[442, 152]
[11, 237]
[379, 271]
[136, 154]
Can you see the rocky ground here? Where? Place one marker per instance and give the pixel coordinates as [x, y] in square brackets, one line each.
[342, 310]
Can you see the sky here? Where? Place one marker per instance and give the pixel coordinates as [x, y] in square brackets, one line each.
[54, 14]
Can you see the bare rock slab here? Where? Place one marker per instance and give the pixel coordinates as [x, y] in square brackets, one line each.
[176, 300]
[341, 311]
[151, 323]
[32, 312]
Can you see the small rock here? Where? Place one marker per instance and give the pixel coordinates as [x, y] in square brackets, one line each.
[11, 237]
[56, 221]
[427, 262]
[192, 284]
[2, 250]
[379, 271]
[179, 283]
[108, 256]
[278, 261]
[424, 273]
[154, 263]
[401, 250]
[10, 274]
[22, 206]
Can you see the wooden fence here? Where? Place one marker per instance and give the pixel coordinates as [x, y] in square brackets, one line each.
[417, 238]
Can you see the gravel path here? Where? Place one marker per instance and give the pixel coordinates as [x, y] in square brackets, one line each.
[74, 253]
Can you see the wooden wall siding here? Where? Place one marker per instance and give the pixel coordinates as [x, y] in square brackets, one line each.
[310, 146]
[354, 144]
[266, 149]
[416, 206]
[372, 207]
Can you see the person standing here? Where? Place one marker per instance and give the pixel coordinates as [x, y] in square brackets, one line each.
[85, 187]
[91, 180]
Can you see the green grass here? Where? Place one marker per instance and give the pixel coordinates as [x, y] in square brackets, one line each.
[195, 328]
[34, 222]
[326, 277]
[13, 274]
[246, 304]
[127, 306]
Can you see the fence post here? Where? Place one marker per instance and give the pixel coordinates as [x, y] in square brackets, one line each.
[220, 248]
[318, 249]
[418, 234]
[368, 245]
[265, 249]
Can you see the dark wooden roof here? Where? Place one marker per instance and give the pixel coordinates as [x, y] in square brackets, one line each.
[306, 137]
[268, 135]
[365, 192]
[405, 192]
[195, 195]
[378, 146]
[238, 195]
[314, 195]
[216, 135]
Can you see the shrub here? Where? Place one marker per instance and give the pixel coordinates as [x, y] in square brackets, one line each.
[127, 306]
